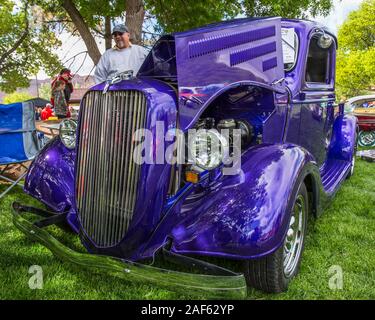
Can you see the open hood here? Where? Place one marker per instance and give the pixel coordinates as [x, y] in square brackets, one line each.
[205, 60]
[244, 49]
[212, 57]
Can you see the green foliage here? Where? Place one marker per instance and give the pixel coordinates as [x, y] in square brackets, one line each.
[355, 72]
[45, 91]
[358, 31]
[179, 15]
[26, 45]
[17, 97]
[92, 11]
[356, 55]
[286, 8]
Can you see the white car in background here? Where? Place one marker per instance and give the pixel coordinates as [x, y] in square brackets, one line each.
[363, 107]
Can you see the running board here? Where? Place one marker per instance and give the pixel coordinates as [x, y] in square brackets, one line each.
[332, 173]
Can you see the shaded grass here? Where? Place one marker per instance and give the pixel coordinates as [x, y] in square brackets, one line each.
[343, 236]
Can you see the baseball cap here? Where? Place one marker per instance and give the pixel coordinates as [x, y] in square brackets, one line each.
[120, 28]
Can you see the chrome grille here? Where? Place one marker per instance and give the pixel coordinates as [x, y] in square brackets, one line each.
[107, 177]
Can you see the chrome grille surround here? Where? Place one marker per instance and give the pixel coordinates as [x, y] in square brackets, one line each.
[106, 175]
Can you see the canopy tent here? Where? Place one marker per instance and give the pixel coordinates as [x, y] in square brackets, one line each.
[39, 102]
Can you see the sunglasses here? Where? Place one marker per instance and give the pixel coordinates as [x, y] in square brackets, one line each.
[115, 34]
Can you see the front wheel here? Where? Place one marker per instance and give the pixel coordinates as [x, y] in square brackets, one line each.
[352, 164]
[274, 272]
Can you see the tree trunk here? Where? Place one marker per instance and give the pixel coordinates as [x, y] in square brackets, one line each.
[83, 30]
[108, 35]
[135, 14]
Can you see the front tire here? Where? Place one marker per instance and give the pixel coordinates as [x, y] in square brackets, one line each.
[352, 165]
[274, 272]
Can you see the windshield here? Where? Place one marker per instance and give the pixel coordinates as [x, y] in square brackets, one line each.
[290, 48]
[361, 106]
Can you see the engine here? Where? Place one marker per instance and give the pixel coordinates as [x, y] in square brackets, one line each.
[213, 142]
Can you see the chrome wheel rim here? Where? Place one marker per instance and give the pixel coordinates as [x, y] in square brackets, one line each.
[353, 163]
[294, 239]
[366, 138]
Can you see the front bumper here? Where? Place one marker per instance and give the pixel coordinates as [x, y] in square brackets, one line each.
[227, 285]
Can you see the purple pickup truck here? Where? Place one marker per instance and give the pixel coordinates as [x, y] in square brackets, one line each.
[270, 82]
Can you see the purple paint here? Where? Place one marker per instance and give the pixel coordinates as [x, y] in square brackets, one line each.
[243, 216]
[269, 64]
[216, 43]
[252, 53]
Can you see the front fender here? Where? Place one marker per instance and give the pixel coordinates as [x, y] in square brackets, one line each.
[247, 215]
[50, 177]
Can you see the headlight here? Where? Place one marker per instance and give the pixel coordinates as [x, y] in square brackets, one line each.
[68, 133]
[208, 148]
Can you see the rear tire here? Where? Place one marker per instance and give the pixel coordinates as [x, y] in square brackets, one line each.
[273, 273]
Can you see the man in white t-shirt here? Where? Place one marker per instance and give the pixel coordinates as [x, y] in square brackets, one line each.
[122, 57]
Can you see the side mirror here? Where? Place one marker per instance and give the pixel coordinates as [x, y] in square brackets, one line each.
[325, 41]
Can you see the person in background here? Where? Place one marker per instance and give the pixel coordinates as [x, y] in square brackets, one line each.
[61, 107]
[65, 76]
[46, 112]
[38, 113]
[122, 57]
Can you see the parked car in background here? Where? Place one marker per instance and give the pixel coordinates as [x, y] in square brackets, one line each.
[363, 107]
[272, 80]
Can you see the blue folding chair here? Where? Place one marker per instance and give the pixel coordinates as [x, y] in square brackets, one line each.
[19, 140]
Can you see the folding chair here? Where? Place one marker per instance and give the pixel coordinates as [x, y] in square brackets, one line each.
[19, 140]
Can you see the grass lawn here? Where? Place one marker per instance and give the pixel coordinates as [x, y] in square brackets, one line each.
[344, 236]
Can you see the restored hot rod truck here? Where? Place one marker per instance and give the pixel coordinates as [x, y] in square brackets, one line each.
[270, 79]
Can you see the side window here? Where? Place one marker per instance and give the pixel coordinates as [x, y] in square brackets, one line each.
[318, 63]
[365, 104]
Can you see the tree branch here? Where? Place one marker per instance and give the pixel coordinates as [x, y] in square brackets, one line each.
[98, 32]
[83, 30]
[22, 38]
[57, 21]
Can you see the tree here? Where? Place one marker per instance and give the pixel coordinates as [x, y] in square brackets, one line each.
[286, 8]
[358, 31]
[90, 18]
[45, 91]
[83, 29]
[17, 97]
[94, 17]
[356, 54]
[25, 46]
[355, 73]
[179, 15]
